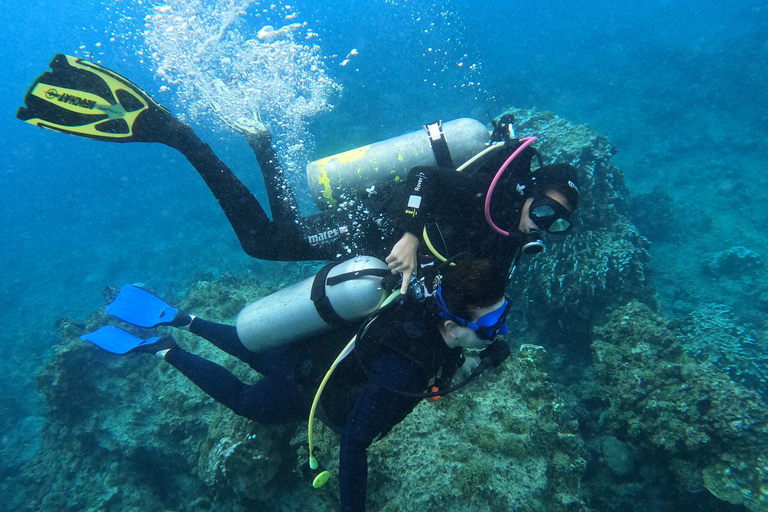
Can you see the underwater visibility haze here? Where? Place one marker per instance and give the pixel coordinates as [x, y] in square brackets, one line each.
[639, 378]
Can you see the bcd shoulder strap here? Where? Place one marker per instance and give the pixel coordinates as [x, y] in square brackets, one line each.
[439, 144]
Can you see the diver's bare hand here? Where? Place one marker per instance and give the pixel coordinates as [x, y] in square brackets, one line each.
[403, 258]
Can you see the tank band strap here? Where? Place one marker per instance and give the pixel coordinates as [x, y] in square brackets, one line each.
[321, 301]
[380, 272]
[439, 144]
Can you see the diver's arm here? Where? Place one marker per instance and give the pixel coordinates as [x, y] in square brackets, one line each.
[410, 219]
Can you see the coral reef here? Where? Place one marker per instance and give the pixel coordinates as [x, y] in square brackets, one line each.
[713, 337]
[576, 280]
[735, 263]
[654, 214]
[711, 431]
[503, 444]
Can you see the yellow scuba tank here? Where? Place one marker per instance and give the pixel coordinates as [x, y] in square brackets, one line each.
[339, 293]
[381, 163]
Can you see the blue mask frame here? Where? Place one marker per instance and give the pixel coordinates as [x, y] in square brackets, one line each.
[487, 327]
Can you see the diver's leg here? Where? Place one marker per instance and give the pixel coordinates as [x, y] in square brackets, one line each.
[225, 337]
[273, 400]
[245, 214]
[259, 237]
[346, 232]
[282, 201]
[144, 120]
[330, 235]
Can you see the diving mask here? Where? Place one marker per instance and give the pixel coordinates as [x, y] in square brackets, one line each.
[487, 327]
[549, 215]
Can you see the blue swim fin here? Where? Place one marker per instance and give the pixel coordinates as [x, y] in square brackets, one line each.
[118, 341]
[141, 308]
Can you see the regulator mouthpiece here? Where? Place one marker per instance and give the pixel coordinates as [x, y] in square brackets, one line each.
[533, 244]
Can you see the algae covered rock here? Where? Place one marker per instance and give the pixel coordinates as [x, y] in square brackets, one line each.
[740, 482]
[122, 422]
[247, 465]
[617, 455]
[735, 263]
[504, 442]
[713, 431]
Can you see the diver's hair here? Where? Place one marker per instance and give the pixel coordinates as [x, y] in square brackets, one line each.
[472, 284]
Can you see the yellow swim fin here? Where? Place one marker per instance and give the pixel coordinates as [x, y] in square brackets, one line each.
[88, 100]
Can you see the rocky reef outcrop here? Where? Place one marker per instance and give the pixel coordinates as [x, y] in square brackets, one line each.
[687, 413]
[605, 263]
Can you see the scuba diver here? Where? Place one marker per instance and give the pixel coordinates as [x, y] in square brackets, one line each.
[399, 352]
[449, 213]
[401, 198]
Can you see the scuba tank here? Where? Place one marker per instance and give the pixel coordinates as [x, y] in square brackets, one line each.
[340, 293]
[386, 162]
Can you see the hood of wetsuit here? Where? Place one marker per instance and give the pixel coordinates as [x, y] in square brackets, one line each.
[558, 177]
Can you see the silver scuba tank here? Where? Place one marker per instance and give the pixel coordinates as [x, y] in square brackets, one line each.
[339, 293]
[383, 162]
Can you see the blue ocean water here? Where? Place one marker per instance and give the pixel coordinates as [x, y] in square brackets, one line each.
[680, 87]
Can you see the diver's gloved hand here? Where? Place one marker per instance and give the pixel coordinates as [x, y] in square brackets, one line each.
[496, 353]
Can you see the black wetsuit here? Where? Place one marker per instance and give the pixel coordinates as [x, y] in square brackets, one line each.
[359, 228]
[451, 207]
[402, 350]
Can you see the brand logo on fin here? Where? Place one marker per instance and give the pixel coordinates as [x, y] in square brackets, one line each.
[70, 99]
